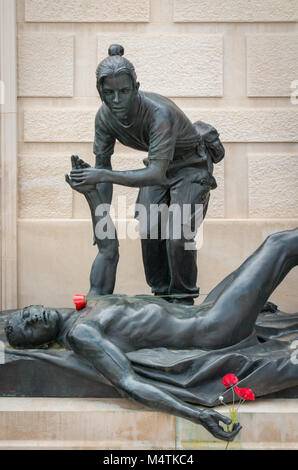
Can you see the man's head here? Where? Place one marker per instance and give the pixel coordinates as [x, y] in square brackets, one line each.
[32, 327]
[116, 82]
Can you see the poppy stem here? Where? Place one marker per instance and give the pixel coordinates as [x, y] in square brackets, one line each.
[240, 402]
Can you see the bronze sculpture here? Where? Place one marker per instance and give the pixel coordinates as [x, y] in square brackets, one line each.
[126, 339]
[178, 171]
[105, 333]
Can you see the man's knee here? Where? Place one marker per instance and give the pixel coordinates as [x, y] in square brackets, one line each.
[178, 244]
[278, 240]
[286, 241]
[112, 253]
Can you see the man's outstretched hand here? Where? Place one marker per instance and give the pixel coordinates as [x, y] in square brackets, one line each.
[78, 164]
[210, 420]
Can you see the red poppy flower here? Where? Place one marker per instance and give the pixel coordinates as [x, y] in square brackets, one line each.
[79, 301]
[245, 393]
[229, 380]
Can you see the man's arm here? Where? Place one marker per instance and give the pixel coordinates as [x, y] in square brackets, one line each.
[89, 342]
[162, 134]
[103, 148]
[154, 174]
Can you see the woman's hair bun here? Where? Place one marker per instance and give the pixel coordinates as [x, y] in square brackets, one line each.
[116, 49]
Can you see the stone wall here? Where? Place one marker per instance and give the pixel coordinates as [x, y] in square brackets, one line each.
[8, 154]
[228, 63]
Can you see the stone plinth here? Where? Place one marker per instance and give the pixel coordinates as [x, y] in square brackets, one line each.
[81, 423]
[266, 424]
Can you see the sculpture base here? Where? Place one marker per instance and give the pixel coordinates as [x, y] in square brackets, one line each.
[82, 423]
[76, 423]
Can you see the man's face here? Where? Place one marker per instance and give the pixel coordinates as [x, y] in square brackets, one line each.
[35, 325]
[118, 94]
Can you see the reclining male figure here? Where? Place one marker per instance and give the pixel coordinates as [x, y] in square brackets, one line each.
[102, 334]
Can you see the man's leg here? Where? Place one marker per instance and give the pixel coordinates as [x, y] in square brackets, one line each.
[217, 291]
[190, 196]
[154, 250]
[104, 267]
[103, 271]
[243, 294]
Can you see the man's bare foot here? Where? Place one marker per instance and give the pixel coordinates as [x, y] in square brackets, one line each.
[77, 163]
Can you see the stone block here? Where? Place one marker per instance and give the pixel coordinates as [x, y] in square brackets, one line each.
[45, 64]
[217, 196]
[267, 424]
[250, 125]
[271, 64]
[236, 195]
[171, 64]
[233, 124]
[55, 258]
[273, 186]
[43, 192]
[227, 243]
[235, 11]
[59, 125]
[93, 11]
[74, 423]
